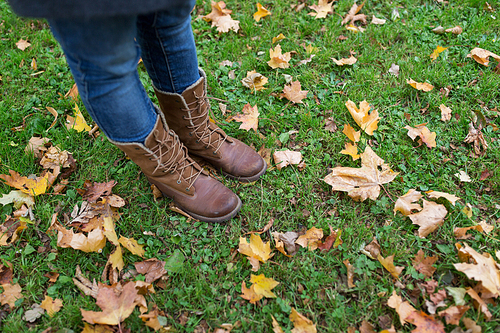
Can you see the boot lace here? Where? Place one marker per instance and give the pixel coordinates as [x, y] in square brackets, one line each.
[177, 159]
[202, 129]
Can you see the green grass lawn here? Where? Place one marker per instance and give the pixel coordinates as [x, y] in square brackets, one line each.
[204, 294]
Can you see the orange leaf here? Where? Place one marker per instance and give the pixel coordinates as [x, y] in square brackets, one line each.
[428, 137]
[482, 56]
[351, 133]
[351, 150]
[261, 12]
[301, 324]
[51, 305]
[27, 185]
[311, 238]
[420, 86]
[425, 323]
[249, 118]
[367, 121]
[403, 308]
[350, 274]
[429, 218]
[388, 264]
[293, 93]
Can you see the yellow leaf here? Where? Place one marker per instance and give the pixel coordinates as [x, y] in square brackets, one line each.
[116, 259]
[482, 56]
[353, 135]
[388, 264]
[278, 38]
[310, 239]
[255, 249]
[279, 60]
[420, 86]
[260, 13]
[249, 293]
[276, 326]
[51, 305]
[436, 52]
[27, 185]
[351, 150]
[263, 285]
[132, 245]
[255, 81]
[367, 121]
[322, 9]
[301, 324]
[109, 229]
[77, 122]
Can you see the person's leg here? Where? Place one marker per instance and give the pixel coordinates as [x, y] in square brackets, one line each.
[169, 54]
[103, 58]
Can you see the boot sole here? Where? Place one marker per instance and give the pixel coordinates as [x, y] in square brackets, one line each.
[247, 179]
[220, 219]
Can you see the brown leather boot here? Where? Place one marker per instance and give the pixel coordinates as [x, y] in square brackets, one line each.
[187, 115]
[165, 162]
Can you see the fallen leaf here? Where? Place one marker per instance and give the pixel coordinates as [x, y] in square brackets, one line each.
[221, 18]
[51, 305]
[249, 118]
[310, 239]
[350, 274]
[394, 70]
[152, 269]
[72, 92]
[132, 245]
[33, 314]
[457, 30]
[423, 264]
[278, 38]
[95, 241]
[151, 319]
[352, 17]
[483, 307]
[377, 20]
[332, 240]
[10, 230]
[55, 158]
[429, 218]
[77, 122]
[6, 274]
[260, 288]
[84, 284]
[255, 81]
[433, 56]
[471, 326]
[36, 145]
[23, 44]
[331, 126]
[94, 191]
[367, 121]
[366, 327]
[485, 270]
[11, 293]
[420, 86]
[372, 250]
[482, 56]
[256, 250]
[353, 28]
[116, 306]
[403, 308]
[279, 60]
[458, 295]
[286, 157]
[463, 176]
[405, 204]
[438, 30]
[461, 233]
[116, 259]
[427, 137]
[265, 228]
[301, 324]
[33, 187]
[425, 323]
[18, 198]
[293, 93]
[362, 183]
[286, 240]
[445, 112]
[388, 264]
[345, 61]
[351, 150]
[353, 135]
[322, 9]
[276, 326]
[453, 314]
[450, 197]
[260, 13]
[486, 227]
[476, 137]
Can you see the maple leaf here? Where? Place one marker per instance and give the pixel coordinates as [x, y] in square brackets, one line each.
[362, 183]
[249, 118]
[429, 218]
[482, 56]
[427, 137]
[279, 60]
[286, 157]
[116, 306]
[475, 136]
[345, 61]
[332, 240]
[445, 112]
[152, 319]
[436, 194]
[23, 44]
[36, 146]
[10, 229]
[367, 121]
[278, 38]
[260, 288]
[485, 270]
[95, 241]
[423, 264]
[436, 53]
[6, 273]
[425, 323]
[453, 314]
[255, 81]
[33, 314]
[72, 92]
[54, 158]
[322, 9]
[84, 284]
[18, 198]
[301, 324]
[11, 293]
[388, 264]
[481, 304]
[276, 326]
[116, 259]
[286, 240]
[77, 122]
[351, 150]
[403, 308]
[420, 86]
[51, 305]
[109, 229]
[372, 250]
[352, 17]
[310, 239]
[153, 269]
[33, 187]
[293, 93]
[353, 135]
[260, 13]
[132, 245]
[405, 204]
[256, 250]
[221, 18]
[93, 191]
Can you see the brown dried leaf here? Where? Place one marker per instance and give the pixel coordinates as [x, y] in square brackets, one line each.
[388, 264]
[301, 324]
[420, 86]
[36, 146]
[428, 137]
[403, 308]
[221, 18]
[482, 56]
[51, 305]
[429, 218]
[476, 137]
[425, 323]
[255, 81]
[345, 61]
[481, 304]
[405, 204]
[453, 314]
[279, 60]
[310, 239]
[286, 157]
[350, 274]
[445, 112]
[11, 293]
[450, 197]
[423, 264]
[322, 9]
[293, 93]
[153, 269]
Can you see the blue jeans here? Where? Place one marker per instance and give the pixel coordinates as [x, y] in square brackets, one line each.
[103, 54]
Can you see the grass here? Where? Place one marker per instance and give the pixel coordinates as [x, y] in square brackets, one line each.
[207, 288]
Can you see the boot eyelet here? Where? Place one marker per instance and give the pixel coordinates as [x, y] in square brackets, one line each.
[187, 189]
[178, 182]
[215, 153]
[190, 133]
[197, 141]
[184, 117]
[207, 147]
[172, 172]
[137, 148]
